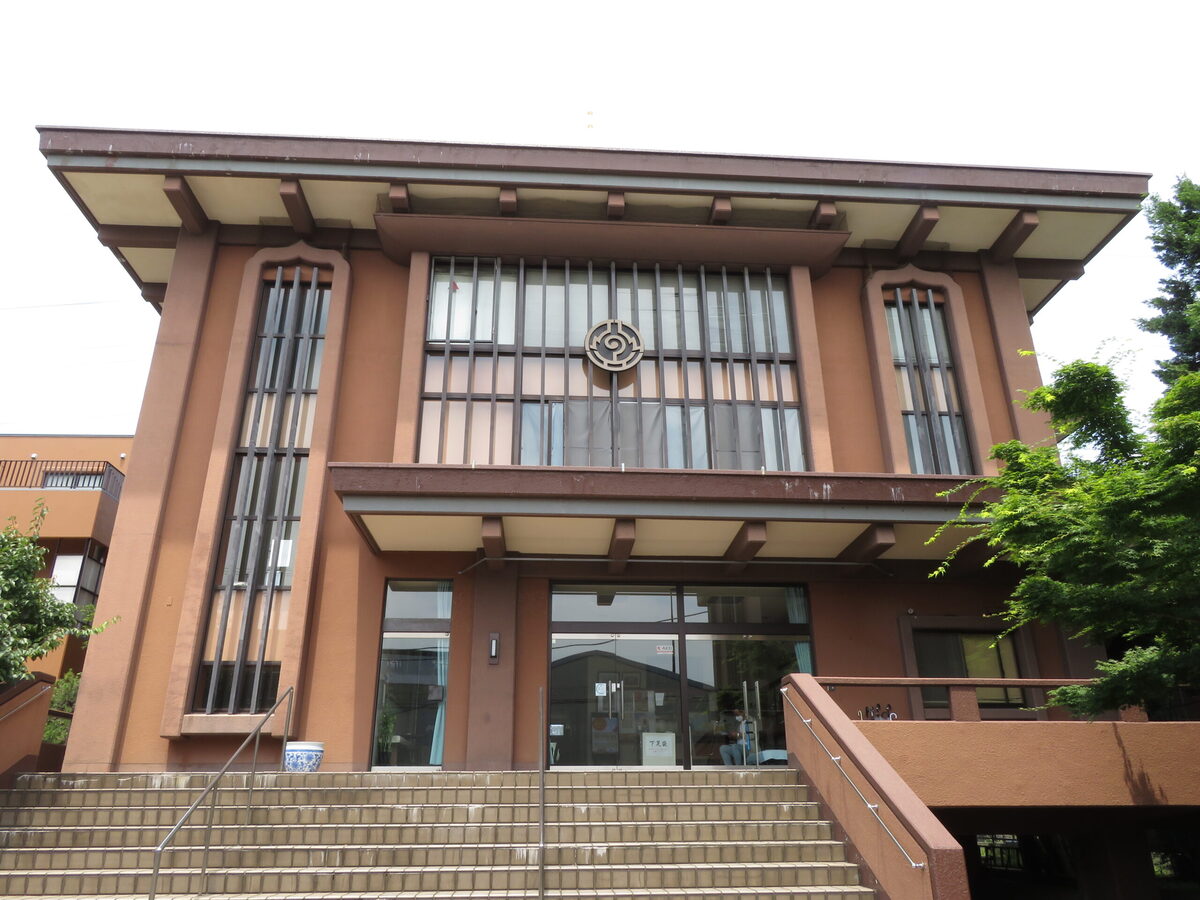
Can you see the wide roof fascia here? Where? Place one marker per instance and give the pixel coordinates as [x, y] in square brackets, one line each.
[194, 152]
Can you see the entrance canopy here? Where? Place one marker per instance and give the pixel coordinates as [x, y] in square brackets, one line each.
[659, 515]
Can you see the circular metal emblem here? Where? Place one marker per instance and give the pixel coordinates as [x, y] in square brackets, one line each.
[614, 345]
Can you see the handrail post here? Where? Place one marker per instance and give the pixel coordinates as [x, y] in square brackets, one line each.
[154, 874]
[287, 730]
[541, 792]
[250, 777]
[212, 813]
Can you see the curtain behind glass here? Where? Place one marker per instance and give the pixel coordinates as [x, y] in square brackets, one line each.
[438, 741]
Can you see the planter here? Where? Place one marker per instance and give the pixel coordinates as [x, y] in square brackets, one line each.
[303, 756]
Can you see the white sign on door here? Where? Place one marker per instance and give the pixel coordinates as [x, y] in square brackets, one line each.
[658, 748]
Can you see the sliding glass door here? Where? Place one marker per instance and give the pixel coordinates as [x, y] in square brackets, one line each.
[644, 675]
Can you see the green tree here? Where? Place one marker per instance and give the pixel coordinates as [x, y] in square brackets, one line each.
[1175, 232]
[32, 621]
[1107, 537]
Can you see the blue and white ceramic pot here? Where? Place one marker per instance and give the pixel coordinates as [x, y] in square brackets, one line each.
[303, 756]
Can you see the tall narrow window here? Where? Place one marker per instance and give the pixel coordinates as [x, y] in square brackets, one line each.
[509, 379]
[926, 383]
[239, 671]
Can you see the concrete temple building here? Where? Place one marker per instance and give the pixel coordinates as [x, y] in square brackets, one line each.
[430, 427]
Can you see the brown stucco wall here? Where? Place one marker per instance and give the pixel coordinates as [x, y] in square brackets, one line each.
[141, 747]
[492, 712]
[1041, 764]
[856, 629]
[984, 342]
[533, 667]
[845, 363]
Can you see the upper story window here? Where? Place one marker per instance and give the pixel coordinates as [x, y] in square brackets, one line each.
[252, 581]
[508, 378]
[934, 428]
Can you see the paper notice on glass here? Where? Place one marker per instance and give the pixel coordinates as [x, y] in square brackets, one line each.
[659, 696]
[601, 688]
[658, 748]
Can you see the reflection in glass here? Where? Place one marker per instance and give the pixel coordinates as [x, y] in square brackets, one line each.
[723, 605]
[408, 600]
[954, 654]
[614, 700]
[410, 718]
[735, 709]
[612, 603]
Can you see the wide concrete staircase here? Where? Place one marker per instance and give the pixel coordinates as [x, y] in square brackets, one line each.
[647, 833]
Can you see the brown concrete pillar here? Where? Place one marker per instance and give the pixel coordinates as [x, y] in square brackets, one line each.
[99, 723]
[493, 681]
[1010, 331]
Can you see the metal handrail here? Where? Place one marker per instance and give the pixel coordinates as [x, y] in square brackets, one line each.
[543, 737]
[28, 700]
[256, 734]
[873, 808]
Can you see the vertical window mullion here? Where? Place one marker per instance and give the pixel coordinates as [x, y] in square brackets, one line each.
[519, 365]
[685, 372]
[729, 367]
[497, 291]
[614, 398]
[961, 453]
[915, 388]
[286, 364]
[303, 340]
[447, 360]
[634, 299]
[662, 367]
[237, 526]
[754, 385]
[706, 345]
[591, 438]
[469, 411]
[546, 439]
[777, 365]
[936, 437]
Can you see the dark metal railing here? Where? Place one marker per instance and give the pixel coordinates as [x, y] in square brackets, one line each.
[61, 475]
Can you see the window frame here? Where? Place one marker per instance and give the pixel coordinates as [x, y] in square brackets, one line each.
[876, 293]
[1022, 644]
[776, 361]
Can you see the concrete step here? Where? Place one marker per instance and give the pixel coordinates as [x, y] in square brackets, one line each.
[609, 834]
[346, 835]
[271, 795]
[458, 813]
[717, 775]
[439, 854]
[243, 881]
[797, 892]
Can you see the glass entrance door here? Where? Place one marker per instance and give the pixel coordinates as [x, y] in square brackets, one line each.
[735, 709]
[615, 700]
[672, 675]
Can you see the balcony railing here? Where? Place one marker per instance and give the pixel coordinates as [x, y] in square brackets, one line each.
[963, 705]
[61, 475]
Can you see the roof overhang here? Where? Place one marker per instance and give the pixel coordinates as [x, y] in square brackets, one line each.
[139, 188]
[620, 517]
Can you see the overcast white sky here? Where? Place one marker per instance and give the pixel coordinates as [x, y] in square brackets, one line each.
[1092, 85]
